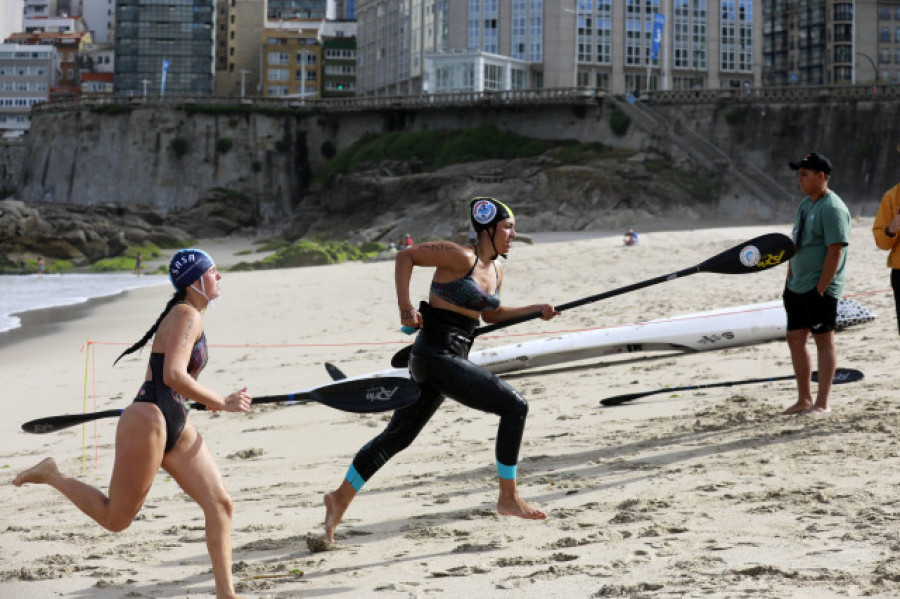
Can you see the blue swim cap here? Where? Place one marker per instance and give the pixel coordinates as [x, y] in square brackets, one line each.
[188, 265]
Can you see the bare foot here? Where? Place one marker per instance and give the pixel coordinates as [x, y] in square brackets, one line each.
[334, 512]
[797, 408]
[518, 507]
[37, 474]
[816, 411]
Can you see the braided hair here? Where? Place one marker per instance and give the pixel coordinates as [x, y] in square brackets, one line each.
[179, 296]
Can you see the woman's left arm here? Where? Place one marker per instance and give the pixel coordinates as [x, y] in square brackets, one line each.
[504, 313]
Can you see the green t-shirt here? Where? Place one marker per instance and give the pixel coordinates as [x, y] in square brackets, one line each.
[820, 224]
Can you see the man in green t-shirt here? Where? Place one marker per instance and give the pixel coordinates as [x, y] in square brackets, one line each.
[815, 280]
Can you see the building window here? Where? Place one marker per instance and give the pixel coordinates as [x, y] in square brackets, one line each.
[493, 76]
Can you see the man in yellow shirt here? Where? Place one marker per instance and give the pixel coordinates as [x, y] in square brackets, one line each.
[885, 229]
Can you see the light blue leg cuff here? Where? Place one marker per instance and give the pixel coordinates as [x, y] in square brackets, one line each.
[504, 471]
[355, 479]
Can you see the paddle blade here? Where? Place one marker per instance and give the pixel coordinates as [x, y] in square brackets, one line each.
[52, 424]
[334, 372]
[842, 375]
[760, 253]
[367, 395]
[376, 394]
[401, 358]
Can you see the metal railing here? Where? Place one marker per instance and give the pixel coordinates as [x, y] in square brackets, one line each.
[572, 96]
[791, 93]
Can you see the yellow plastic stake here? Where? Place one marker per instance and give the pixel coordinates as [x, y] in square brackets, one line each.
[87, 362]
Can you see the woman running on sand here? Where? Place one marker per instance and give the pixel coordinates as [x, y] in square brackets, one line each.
[465, 287]
[154, 432]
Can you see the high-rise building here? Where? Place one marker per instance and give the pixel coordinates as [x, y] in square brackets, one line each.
[100, 16]
[564, 43]
[296, 9]
[829, 42]
[165, 47]
[341, 10]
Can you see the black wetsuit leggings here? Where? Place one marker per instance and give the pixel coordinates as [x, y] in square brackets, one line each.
[439, 363]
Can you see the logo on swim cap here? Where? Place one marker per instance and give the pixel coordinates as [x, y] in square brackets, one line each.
[749, 256]
[483, 212]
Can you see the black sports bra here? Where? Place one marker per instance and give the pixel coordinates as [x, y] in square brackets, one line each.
[466, 293]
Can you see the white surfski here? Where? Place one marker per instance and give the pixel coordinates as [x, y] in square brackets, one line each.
[701, 331]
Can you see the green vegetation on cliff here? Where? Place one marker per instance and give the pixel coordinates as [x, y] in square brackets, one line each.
[435, 149]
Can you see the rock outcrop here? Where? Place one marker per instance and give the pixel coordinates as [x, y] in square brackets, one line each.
[83, 234]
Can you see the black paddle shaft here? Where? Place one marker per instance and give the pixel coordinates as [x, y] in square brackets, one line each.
[377, 394]
[841, 376]
[757, 254]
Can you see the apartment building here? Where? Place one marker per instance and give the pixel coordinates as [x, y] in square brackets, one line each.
[292, 58]
[338, 39]
[239, 45]
[12, 14]
[27, 73]
[599, 43]
[166, 46]
[68, 46]
[41, 8]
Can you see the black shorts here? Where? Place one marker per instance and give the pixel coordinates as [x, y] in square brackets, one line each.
[809, 310]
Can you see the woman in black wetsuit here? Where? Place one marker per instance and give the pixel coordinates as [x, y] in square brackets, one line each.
[465, 287]
[154, 431]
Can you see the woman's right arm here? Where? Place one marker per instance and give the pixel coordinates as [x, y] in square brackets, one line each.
[182, 328]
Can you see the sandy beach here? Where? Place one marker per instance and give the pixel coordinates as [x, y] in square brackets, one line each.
[707, 493]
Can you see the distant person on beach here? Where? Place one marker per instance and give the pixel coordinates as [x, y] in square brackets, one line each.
[40, 267]
[407, 241]
[154, 431]
[138, 264]
[885, 229]
[815, 281]
[465, 287]
[630, 237]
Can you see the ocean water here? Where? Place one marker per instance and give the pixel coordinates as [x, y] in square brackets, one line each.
[24, 293]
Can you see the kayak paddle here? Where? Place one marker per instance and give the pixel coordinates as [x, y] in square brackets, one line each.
[755, 255]
[842, 375]
[354, 395]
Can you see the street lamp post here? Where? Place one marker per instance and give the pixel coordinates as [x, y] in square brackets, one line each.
[871, 62]
[243, 74]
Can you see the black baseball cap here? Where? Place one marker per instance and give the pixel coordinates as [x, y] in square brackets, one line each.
[813, 162]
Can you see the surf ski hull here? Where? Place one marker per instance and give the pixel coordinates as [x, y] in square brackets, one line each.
[701, 331]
